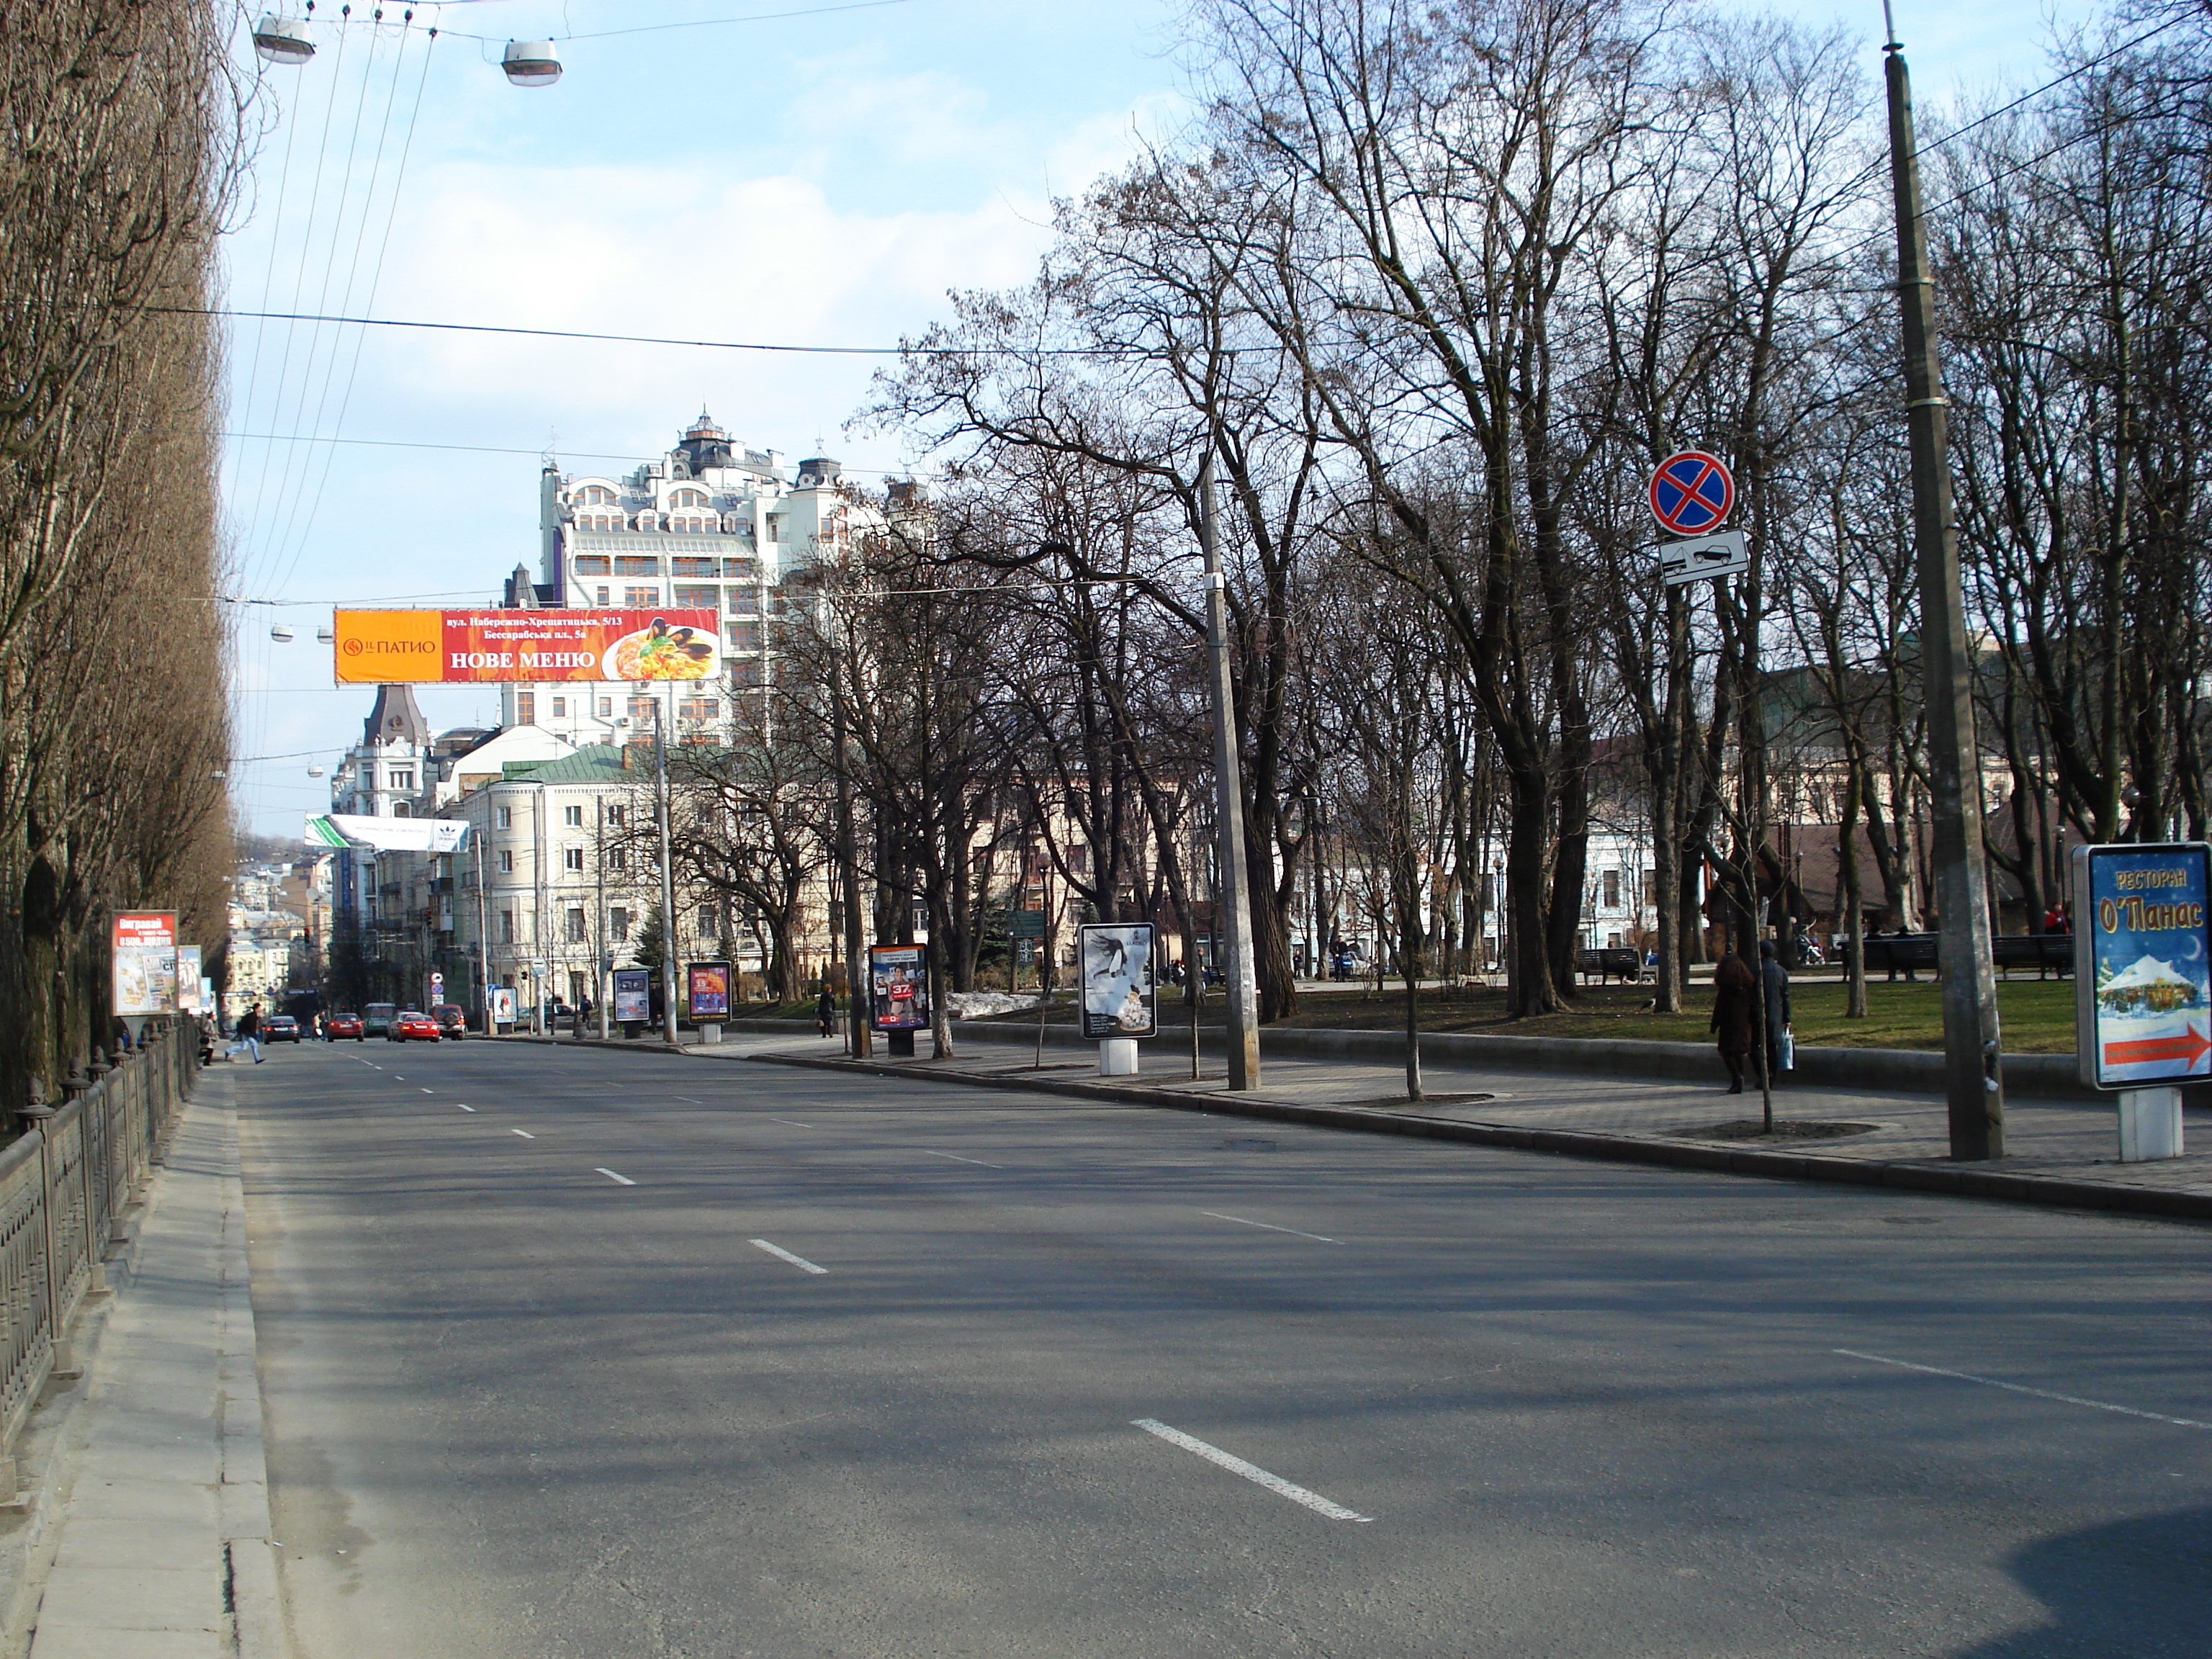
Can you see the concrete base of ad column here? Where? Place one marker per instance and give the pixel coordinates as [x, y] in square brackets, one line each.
[710, 1034]
[1117, 1057]
[2150, 1124]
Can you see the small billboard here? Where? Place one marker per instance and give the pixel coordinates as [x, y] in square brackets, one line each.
[499, 1002]
[2143, 963]
[1115, 961]
[898, 986]
[142, 944]
[189, 981]
[707, 986]
[633, 996]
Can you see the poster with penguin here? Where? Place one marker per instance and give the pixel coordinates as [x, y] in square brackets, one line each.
[1116, 963]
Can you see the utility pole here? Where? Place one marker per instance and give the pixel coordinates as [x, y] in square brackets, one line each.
[848, 874]
[668, 963]
[600, 954]
[1235, 907]
[1973, 1077]
[484, 933]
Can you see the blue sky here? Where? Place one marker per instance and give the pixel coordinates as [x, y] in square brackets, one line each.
[816, 178]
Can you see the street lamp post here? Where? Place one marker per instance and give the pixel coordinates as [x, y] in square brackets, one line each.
[1235, 920]
[668, 964]
[1973, 1077]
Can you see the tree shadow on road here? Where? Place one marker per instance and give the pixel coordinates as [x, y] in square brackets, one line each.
[2138, 1588]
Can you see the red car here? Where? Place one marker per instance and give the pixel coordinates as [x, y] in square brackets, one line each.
[414, 1026]
[341, 1025]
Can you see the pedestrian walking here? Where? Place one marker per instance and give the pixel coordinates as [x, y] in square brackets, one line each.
[248, 1033]
[826, 1013]
[1734, 988]
[1775, 985]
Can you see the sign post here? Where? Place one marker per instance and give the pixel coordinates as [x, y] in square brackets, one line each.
[1115, 961]
[2142, 983]
[898, 995]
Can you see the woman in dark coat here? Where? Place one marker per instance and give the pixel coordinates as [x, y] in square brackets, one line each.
[1735, 986]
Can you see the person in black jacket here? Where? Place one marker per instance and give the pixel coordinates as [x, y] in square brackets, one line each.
[1774, 980]
[825, 1013]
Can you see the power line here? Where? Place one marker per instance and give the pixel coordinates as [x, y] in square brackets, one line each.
[547, 452]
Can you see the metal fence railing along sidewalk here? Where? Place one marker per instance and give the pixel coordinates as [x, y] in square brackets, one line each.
[66, 1187]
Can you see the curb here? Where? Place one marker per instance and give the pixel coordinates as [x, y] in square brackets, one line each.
[1962, 1183]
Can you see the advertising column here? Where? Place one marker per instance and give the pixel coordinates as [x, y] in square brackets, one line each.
[142, 949]
[1114, 965]
[898, 995]
[2142, 972]
[706, 989]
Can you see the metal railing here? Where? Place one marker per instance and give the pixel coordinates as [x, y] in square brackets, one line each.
[66, 1185]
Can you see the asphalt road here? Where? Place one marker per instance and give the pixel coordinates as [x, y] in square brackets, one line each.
[647, 1355]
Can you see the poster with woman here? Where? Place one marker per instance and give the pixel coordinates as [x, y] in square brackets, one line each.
[1113, 960]
[898, 982]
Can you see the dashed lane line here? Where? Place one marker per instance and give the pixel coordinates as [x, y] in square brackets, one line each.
[467, 1109]
[956, 1158]
[619, 1180]
[2017, 1388]
[782, 1255]
[793, 1121]
[524, 1134]
[1252, 1472]
[1293, 1231]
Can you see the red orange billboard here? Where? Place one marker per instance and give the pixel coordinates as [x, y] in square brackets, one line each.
[385, 647]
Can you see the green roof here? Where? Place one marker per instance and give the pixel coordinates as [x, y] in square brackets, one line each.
[598, 763]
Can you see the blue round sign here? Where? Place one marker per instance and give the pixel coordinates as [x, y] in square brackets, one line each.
[1692, 493]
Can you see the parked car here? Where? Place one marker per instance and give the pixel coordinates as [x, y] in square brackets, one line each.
[376, 1019]
[341, 1025]
[452, 1021]
[280, 1028]
[413, 1026]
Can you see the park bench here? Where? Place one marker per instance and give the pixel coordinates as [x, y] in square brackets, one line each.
[1611, 962]
[2044, 952]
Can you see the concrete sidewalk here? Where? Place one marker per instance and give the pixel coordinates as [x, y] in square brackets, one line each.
[2060, 1152]
[162, 1546]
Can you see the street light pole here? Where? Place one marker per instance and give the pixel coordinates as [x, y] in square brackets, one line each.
[1235, 909]
[1973, 1077]
[668, 964]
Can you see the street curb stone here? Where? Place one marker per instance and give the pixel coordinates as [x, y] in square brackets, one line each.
[1961, 1183]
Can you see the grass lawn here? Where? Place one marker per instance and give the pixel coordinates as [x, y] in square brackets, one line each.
[2038, 1015]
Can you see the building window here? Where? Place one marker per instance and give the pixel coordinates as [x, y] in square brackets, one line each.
[576, 926]
[618, 922]
[526, 708]
[641, 711]
[775, 526]
[573, 816]
[687, 498]
[618, 858]
[615, 818]
[606, 709]
[745, 602]
[687, 525]
[506, 818]
[1651, 887]
[744, 635]
[637, 567]
[596, 495]
[698, 598]
[592, 564]
[602, 600]
[507, 928]
[745, 673]
[710, 921]
[399, 809]
[402, 779]
[560, 707]
[572, 858]
[691, 566]
[1612, 890]
[507, 860]
[741, 570]
[695, 707]
[641, 599]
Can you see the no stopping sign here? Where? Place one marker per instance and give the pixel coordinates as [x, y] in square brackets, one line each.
[1692, 493]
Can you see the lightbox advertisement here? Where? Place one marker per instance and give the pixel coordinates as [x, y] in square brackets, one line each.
[898, 984]
[142, 947]
[2143, 979]
[633, 995]
[1116, 961]
[709, 985]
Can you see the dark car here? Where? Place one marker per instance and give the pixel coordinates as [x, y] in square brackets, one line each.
[279, 1028]
[342, 1026]
[452, 1021]
[412, 1025]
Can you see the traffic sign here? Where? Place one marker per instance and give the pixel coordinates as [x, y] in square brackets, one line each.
[1025, 924]
[1726, 554]
[1692, 493]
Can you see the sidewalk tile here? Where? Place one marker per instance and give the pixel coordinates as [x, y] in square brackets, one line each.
[134, 1598]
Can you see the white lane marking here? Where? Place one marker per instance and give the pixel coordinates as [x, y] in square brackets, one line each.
[1253, 1472]
[425, 1090]
[688, 1099]
[1293, 1231]
[623, 1180]
[2040, 1393]
[956, 1158]
[468, 1108]
[782, 1255]
[793, 1121]
[524, 1134]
